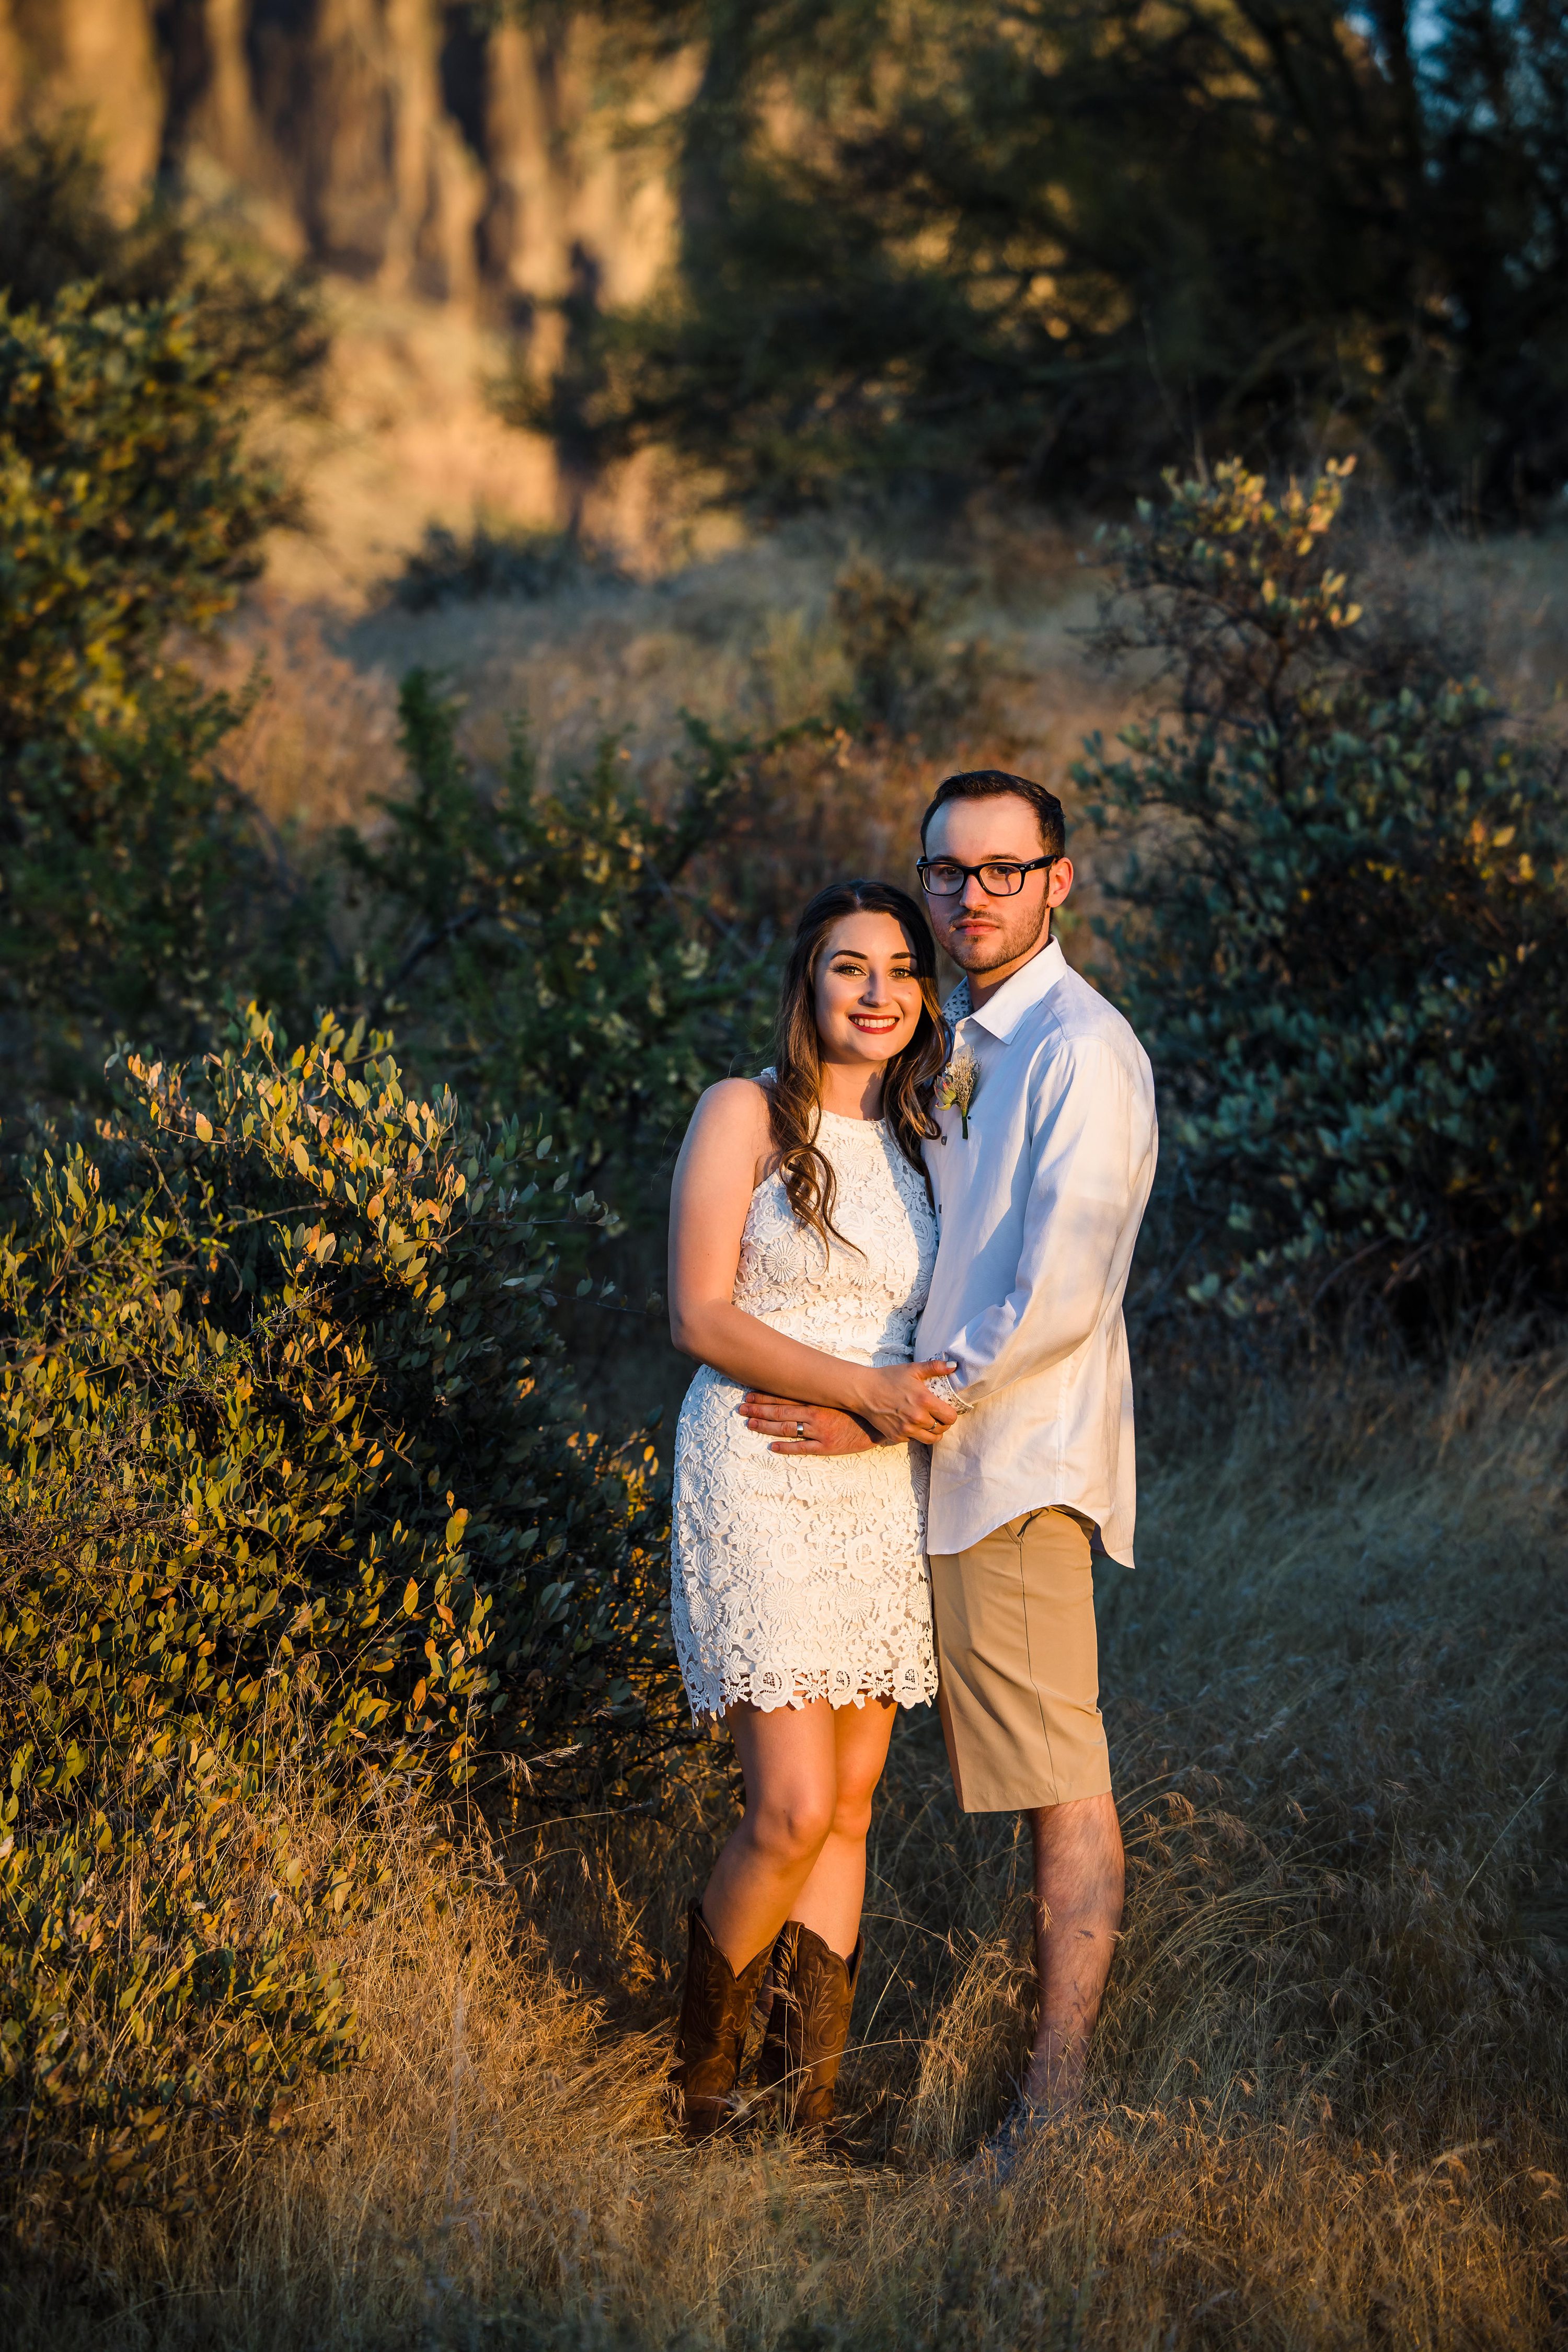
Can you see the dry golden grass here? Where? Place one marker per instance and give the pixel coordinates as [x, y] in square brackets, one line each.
[317, 744]
[748, 639]
[1329, 2101]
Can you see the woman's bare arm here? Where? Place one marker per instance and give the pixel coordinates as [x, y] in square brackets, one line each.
[724, 1156]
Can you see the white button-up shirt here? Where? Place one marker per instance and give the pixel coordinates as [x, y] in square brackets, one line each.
[1040, 1208]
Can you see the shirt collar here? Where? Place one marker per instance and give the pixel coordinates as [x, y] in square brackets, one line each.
[1001, 1015]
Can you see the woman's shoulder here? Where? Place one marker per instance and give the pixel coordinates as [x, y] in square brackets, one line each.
[733, 1108]
[731, 1124]
[733, 1100]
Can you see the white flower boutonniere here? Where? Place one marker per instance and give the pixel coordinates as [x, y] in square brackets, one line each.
[955, 1087]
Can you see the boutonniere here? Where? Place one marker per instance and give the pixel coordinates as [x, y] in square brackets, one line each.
[955, 1087]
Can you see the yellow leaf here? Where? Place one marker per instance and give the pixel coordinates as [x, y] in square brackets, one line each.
[204, 1128]
[410, 1598]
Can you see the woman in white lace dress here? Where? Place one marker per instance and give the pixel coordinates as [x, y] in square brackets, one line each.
[802, 1243]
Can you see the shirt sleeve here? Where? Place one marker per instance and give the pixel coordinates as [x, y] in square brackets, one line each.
[1086, 1147]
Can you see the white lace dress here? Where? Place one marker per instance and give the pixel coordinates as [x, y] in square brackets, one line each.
[799, 1576]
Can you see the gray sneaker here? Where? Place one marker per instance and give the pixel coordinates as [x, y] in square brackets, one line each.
[1027, 2123]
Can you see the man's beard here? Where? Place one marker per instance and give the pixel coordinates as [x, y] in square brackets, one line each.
[997, 947]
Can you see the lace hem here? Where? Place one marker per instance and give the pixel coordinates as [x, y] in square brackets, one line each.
[710, 1696]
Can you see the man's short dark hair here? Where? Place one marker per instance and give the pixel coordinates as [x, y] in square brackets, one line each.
[990, 783]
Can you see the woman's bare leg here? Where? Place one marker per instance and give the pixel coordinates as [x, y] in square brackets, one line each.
[789, 1757]
[830, 1902]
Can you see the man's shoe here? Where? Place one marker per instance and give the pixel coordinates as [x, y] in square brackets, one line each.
[715, 2010]
[1027, 2123]
[999, 2155]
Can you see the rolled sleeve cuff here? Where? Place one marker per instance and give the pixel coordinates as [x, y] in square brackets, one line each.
[942, 1387]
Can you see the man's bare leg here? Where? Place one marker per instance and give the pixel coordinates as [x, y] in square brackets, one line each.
[1080, 1878]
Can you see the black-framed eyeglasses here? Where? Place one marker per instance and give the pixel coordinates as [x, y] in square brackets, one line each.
[999, 877]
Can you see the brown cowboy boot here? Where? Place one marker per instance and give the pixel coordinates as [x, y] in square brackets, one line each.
[715, 2010]
[808, 2027]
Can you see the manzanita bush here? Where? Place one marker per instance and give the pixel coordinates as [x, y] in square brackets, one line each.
[294, 1490]
[1343, 928]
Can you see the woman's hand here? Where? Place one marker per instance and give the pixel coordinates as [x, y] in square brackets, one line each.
[896, 1399]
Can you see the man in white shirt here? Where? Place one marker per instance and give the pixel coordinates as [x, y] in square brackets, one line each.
[1041, 1175]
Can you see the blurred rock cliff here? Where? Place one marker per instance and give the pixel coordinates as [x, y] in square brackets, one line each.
[417, 146]
[464, 177]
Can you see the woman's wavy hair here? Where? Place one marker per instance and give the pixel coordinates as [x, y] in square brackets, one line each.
[795, 1084]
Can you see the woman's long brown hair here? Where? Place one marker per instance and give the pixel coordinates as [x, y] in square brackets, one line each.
[795, 1087]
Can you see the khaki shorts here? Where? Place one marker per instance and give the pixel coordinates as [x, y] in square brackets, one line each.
[1020, 1666]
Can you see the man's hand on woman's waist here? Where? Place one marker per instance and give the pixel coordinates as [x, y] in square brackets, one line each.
[795, 1428]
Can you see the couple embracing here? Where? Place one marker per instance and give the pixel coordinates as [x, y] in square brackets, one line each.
[899, 1256]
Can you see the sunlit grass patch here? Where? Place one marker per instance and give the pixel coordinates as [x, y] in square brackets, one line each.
[1328, 2101]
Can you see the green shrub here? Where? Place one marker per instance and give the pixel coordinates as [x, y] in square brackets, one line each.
[552, 941]
[135, 886]
[910, 674]
[128, 506]
[1344, 939]
[134, 882]
[258, 316]
[138, 889]
[293, 1486]
[157, 1972]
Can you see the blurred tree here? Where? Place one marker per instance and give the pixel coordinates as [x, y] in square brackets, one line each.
[1069, 240]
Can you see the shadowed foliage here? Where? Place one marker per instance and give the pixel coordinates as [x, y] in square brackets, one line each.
[1344, 934]
[258, 317]
[556, 944]
[134, 883]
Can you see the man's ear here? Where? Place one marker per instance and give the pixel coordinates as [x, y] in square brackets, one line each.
[1058, 882]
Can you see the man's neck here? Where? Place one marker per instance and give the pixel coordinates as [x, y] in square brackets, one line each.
[983, 986]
